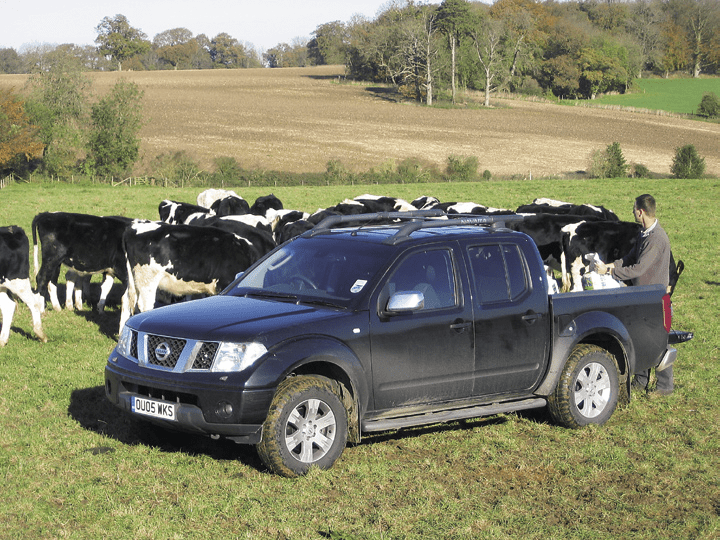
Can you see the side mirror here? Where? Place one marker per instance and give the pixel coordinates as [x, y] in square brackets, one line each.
[405, 301]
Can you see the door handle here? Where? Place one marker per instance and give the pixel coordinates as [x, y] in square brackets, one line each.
[531, 316]
[460, 326]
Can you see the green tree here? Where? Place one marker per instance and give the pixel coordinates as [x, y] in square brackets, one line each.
[18, 137]
[687, 163]
[329, 46]
[117, 39]
[201, 59]
[228, 52]
[601, 71]
[615, 165]
[176, 47]
[114, 145]
[709, 105]
[284, 55]
[58, 104]
[10, 61]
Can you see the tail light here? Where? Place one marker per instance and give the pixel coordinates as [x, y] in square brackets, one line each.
[667, 313]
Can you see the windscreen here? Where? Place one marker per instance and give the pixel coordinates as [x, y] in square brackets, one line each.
[323, 269]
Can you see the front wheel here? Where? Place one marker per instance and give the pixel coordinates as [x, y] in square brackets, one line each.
[587, 392]
[306, 426]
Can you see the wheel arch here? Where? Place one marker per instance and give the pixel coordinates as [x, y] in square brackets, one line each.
[595, 328]
[347, 391]
[325, 357]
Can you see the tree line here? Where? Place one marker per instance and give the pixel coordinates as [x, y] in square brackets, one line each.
[59, 128]
[574, 49]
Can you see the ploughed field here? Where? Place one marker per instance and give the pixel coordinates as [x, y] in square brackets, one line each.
[298, 119]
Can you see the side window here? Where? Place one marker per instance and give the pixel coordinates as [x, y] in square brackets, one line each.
[517, 277]
[499, 273]
[430, 272]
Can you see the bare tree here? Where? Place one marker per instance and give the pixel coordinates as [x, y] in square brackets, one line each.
[487, 35]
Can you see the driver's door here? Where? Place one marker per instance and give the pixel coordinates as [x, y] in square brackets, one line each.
[426, 355]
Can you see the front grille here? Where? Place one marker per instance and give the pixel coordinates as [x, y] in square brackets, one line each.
[164, 351]
[133, 344]
[205, 356]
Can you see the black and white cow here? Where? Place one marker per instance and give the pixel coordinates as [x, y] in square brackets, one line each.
[180, 260]
[175, 212]
[268, 202]
[425, 202]
[611, 240]
[551, 206]
[209, 196]
[15, 278]
[230, 206]
[292, 229]
[376, 203]
[85, 243]
[546, 230]
[471, 208]
[258, 236]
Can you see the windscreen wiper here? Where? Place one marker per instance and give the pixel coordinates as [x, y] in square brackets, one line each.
[274, 295]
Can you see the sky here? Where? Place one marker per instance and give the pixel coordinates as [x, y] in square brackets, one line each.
[262, 23]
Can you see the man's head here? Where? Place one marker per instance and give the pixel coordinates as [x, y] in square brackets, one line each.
[644, 210]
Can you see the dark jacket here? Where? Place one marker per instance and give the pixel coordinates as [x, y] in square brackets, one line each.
[648, 263]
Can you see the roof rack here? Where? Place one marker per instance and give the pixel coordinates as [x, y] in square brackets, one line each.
[416, 220]
[380, 217]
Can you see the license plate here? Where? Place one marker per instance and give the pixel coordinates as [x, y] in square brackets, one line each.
[156, 409]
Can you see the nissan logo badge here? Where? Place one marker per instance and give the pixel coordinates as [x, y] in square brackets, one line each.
[162, 351]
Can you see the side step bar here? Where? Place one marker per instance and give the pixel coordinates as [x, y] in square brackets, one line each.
[398, 422]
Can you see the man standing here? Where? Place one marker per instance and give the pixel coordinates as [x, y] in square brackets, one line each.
[648, 263]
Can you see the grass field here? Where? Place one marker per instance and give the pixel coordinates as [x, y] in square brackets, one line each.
[72, 466]
[673, 95]
[299, 119]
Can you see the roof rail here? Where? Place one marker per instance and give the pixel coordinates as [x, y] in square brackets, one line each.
[366, 219]
[416, 220]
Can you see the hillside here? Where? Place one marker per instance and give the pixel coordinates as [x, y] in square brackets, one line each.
[298, 119]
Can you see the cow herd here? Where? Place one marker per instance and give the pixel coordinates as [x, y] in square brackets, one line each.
[200, 248]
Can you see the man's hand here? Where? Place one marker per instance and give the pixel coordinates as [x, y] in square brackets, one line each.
[602, 268]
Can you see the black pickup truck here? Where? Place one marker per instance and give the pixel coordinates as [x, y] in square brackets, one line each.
[346, 330]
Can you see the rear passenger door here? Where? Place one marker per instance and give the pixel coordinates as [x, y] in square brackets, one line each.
[511, 322]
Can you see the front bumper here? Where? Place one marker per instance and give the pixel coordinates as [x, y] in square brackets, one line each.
[201, 407]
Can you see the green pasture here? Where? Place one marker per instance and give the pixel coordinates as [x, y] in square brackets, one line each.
[72, 466]
[672, 95]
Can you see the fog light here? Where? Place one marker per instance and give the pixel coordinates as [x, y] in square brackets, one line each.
[224, 409]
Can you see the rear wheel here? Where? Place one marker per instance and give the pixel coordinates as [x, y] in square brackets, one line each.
[306, 426]
[587, 392]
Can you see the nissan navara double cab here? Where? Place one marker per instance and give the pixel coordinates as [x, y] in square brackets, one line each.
[402, 319]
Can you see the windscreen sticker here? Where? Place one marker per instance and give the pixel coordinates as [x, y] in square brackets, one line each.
[358, 286]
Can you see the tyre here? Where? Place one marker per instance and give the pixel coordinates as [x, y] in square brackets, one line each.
[588, 389]
[305, 427]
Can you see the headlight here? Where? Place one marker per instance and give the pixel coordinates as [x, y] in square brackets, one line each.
[125, 342]
[237, 356]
